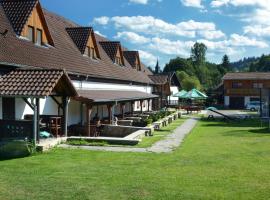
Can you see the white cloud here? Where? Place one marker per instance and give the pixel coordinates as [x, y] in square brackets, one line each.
[132, 37]
[219, 3]
[139, 1]
[192, 3]
[157, 27]
[257, 30]
[101, 20]
[169, 47]
[99, 33]
[148, 58]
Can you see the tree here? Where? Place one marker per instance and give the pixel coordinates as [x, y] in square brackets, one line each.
[226, 63]
[181, 75]
[198, 52]
[190, 83]
[157, 68]
[179, 64]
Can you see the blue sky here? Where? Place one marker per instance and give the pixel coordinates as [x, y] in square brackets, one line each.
[165, 29]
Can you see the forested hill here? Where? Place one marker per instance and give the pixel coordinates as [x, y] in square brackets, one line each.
[197, 72]
[243, 64]
[253, 64]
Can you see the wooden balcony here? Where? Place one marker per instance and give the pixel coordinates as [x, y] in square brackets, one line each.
[242, 92]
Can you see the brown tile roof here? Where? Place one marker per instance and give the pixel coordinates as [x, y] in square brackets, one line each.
[131, 57]
[159, 79]
[18, 12]
[247, 76]
[80, 36]
[113, 95]
[35, 83]
[64, 54]
[110, 47]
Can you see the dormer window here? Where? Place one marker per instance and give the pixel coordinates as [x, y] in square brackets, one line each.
[118, 61]
[39, 37]
[93, 53]
[31, 34]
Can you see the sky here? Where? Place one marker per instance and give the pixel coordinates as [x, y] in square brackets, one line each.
[164, 29]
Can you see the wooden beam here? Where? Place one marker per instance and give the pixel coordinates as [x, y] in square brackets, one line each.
[148, 104]
[123, 105]
[88, 119]
[109, 106]
[141, 104]
[65, 101]
[28, 103]
[38, 118]
[34, 123]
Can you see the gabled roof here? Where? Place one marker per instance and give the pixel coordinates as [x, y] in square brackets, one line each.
[18, 12]
[159, 79]
[80, 36]
[111, 48]
[131, 57]
[64, 54]
[247, 76]
[36, 83]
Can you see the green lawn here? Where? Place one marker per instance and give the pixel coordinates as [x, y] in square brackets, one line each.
[216, 161]
[159, 135]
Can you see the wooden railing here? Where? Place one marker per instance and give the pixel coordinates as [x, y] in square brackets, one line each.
[11, 129]
[243, 92]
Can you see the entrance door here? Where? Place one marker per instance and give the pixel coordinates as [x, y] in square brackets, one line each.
[8, 108]
[237, 102]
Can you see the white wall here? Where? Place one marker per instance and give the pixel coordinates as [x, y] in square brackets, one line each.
[174, 90]
[226, 101]
[111, 86]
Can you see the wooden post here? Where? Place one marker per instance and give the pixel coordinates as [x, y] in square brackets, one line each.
[141, 104]
[123, 105]
[148, 104]
[38, 118]
[132, 107]
[109, 106]
[88, 119]
[65, 101]
[34, 122]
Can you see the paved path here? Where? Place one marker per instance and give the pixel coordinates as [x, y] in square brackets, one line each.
[167, 145]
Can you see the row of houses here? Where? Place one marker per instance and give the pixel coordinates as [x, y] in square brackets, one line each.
[50, 66]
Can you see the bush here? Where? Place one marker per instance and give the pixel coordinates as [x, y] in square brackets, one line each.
[16, 149]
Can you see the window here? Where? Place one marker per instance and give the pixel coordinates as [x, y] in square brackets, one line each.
[31, 34]
[92, 53]
[87, 51]
[237, 85]
[257, 85]
[39, 37]
[118, 60]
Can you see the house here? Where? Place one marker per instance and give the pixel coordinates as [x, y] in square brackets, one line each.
[84, 74]
[244, 87]
[166, 85]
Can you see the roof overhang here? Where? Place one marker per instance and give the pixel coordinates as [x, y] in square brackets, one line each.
[36, 83]
[111, 96]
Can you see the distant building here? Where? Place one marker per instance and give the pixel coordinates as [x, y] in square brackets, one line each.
[243, 87]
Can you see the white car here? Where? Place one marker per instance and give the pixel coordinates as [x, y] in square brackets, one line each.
[253, 106]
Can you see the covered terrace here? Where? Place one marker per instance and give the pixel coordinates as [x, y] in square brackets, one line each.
[32, 86]
[112, 98]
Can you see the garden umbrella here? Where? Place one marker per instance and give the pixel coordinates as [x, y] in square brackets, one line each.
[195, 94]
[180, 94]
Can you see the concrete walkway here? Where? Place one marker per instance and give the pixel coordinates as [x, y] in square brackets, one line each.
[167, 145]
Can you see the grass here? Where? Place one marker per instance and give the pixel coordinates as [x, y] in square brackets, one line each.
[161, 134]
[217, 160]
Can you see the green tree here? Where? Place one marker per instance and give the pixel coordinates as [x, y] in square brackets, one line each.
[179, 64]
[190, 83]
[226, 63]
[181, 75]
[198, 52]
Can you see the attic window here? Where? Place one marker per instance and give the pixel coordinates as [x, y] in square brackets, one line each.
[31, 34]
[90, 52]
[118, 61]
[39, 37]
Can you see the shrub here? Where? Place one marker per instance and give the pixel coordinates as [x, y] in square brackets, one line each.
[16, 149]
